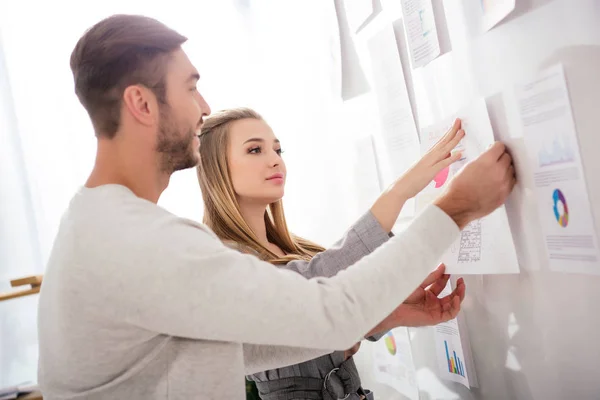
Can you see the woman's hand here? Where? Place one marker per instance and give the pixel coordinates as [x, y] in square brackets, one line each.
[435, 160]
[388, 206]
[423, 307]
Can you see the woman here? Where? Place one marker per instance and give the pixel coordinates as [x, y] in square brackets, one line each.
[242, 177]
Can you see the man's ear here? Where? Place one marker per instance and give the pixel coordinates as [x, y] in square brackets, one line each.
[141, 103]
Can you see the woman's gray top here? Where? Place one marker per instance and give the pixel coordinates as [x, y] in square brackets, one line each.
[327, 377]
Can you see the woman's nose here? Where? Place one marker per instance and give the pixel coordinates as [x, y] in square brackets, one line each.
[275, 159]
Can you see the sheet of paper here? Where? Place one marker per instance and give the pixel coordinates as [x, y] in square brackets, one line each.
[394, 365]
[560, 187]
[421, 31]
[365, 174]
[467, 350]
[449, 349]
[357, 11]
[485, 246]
[397, 125]
[494, 11]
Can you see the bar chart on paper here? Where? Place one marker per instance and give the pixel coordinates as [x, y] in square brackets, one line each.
[450, 353]
[455, 365]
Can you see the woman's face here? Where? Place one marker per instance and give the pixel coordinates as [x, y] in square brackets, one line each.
[255, 164]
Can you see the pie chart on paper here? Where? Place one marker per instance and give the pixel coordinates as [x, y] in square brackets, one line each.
[390, 343]
[441, 177]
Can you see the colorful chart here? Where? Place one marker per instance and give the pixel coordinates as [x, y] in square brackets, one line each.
[390, 343]
[560, 152]
[455, 365]
[560, 202]
[441, 177]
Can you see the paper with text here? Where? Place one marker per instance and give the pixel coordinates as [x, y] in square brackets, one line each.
[421, 31]
[560, 187]
[485, 246]
[398, 130]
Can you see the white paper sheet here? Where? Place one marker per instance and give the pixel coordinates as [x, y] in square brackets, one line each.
[560, 187]
[495, 11]
[486, 245]
[398, 131]
[366, 174]
[357, 11]
[394, 365]
[452, 364]
[421, 31]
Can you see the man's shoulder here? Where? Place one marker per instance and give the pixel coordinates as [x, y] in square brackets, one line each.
[115, 214]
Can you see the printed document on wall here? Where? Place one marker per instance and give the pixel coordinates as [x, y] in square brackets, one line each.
[421, 31]
[494, 11]
[485, 246]
[560, 187]
[393, 362]
[398, 131]
[452, 363]
[366, 176]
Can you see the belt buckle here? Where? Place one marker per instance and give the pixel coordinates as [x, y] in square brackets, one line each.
[327, 377]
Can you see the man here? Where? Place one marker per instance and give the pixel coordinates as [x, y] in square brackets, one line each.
[140, 304]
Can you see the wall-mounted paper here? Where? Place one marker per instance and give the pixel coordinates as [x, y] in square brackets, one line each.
[452, 363]
[421, 31]
[357, 12]
[365, 174]
[393, 362]
[560, 187]
[485, 246]
[398, 131]
[495, 11]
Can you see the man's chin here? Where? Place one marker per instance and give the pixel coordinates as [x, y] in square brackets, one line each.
[190, 162]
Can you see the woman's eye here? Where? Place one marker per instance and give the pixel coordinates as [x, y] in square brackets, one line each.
[254, 150]
[279, 151]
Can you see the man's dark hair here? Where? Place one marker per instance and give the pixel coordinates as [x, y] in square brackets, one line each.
[117, 52]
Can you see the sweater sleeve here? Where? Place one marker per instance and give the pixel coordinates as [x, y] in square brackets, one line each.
[361, 239]
[191, 285]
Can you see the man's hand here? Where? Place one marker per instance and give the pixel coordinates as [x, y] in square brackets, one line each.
[480, 187]
[423, 307]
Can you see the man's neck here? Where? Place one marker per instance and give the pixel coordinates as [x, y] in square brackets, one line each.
[139, 174]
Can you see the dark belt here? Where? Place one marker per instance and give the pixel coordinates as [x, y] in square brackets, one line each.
[342, 382]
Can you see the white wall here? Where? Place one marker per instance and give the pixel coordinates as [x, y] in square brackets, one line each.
[533, 335]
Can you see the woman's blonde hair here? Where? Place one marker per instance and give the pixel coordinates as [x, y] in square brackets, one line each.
[221, 209]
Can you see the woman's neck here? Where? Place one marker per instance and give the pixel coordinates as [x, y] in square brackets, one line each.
[254, 215]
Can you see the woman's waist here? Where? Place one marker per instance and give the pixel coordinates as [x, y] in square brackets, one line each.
[328, 377]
